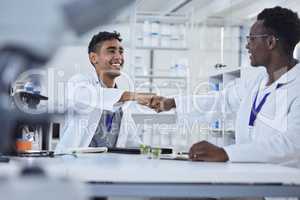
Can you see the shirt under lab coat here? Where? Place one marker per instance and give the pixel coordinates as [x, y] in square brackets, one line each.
[275, 136]
[86, 100]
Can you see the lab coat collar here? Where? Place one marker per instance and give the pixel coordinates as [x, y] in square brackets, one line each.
[289, 76]
[94, 75]
[103, 84]
[286, 78]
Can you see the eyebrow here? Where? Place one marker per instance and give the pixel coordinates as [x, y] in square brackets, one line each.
[114, 48]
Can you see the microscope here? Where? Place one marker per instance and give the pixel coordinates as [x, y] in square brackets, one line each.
[30, 135]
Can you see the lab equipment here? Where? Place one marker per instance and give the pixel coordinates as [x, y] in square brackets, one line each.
[30, 136]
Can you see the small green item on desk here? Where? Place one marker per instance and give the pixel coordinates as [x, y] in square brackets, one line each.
[155, 153]
[145, 150]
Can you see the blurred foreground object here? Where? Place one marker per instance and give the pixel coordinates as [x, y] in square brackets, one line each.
[30, 33]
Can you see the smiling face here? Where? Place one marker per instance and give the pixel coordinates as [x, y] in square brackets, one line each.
[257, 45]
[108, 59]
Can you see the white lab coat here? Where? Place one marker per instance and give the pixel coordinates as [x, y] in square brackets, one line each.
[85, 101]
[275, 136]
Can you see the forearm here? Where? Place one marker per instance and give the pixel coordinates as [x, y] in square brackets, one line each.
[141, 98]
[128, 96]
[270, 150]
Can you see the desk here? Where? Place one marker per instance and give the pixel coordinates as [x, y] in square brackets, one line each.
[135, 175]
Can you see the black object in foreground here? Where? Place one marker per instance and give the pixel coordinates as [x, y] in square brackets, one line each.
[4, 159]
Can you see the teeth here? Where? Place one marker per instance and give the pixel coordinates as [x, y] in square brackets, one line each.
[116, 64]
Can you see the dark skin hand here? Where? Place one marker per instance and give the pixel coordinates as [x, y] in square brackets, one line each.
[205, 151]
[159, 103]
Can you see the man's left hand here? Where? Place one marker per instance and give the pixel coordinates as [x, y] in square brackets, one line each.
[205, 151]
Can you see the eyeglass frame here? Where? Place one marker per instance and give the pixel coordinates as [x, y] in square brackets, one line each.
[250, 38]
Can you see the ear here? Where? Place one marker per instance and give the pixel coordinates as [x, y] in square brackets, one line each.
[93, 58]
[272, 42]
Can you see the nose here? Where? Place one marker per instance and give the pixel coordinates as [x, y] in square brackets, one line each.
[118, 55]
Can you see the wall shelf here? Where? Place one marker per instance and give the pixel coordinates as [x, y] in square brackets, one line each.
[162, 48]
[160, 77]
[225, 70]
[156, 40]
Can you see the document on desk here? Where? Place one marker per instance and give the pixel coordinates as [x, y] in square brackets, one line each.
[88, 150]
[175, 157]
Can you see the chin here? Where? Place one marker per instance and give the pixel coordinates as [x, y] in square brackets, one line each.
[114, 74]
[253, 64]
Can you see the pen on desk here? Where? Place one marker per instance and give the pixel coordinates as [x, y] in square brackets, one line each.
[64, 154]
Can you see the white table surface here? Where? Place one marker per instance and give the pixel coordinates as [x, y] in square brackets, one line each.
[134, 171]
[138, 168]
[109, 167]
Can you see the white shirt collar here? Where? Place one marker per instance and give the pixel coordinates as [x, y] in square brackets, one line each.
[97, 79]
[290, 75]
[286, 78]
[94, 75]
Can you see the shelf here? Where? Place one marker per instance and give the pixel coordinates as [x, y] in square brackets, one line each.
[158, 35]
[219, 72]
[154, 118]
[157, 16]
[218, 50]
[218, 129]
[161, 87]
[161, 77]
[163, 48]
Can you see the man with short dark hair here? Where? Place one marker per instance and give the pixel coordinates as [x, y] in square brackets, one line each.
[267, 107]
[106, 55]
[100, 123]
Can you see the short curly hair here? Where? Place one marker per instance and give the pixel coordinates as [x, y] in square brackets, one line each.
[101, 37]
[284, 24]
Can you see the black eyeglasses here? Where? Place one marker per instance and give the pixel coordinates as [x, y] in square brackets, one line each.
[252, 37]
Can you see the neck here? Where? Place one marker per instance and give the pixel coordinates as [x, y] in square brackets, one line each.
[107, 80]
[278, 67]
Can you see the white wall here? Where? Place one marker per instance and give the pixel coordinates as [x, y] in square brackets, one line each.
[212, 45]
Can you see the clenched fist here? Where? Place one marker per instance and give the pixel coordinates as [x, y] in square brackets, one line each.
[159, 103]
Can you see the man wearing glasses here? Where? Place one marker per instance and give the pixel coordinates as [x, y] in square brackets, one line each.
[267, 107]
